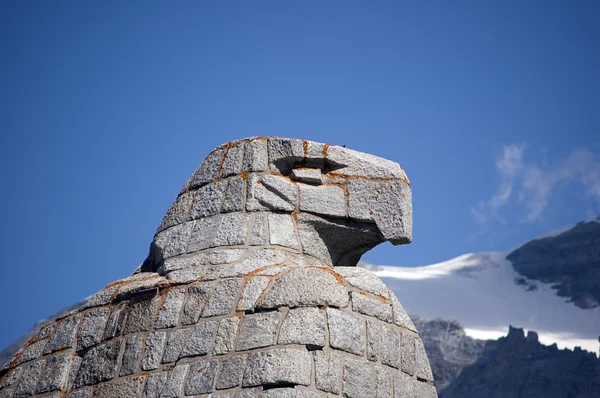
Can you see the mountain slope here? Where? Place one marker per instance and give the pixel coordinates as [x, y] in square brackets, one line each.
[517, 366]
[570, 261]
[485, 293]
[448, 348]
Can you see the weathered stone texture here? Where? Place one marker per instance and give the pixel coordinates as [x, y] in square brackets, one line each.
[169, 312]
[56, 373]
[226, 336]
[270, 192]
[129, 387]
[279, 366]
[155, 344]
[408, 354]
[250, 290]
[346, 331]
[201, 378]
[29, 379]
[230, 373]
[358, 380]
[303, 326]
[258, 330]
[328, 371]
[130, 362]
[99, 364]
[92, 328]
[307, 287]
[64, 336]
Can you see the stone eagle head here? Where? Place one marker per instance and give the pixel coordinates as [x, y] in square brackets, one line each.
[326, 202]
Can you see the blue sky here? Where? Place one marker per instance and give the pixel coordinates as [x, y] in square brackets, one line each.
[492, 108]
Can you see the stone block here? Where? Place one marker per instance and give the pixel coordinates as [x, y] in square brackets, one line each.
[307, 287]
[303, 326]
[326, 200]
[270, 192]
[376, 307]
[56, 373]
[258, 233]
[360, 164]
[196, 301]
[179, 212]
[284, 153]
[231, 371]
[11, 378]
[176, 239]
[224, 297]
[64, 337]
[425, 390]
[204, 234]
[422, 367]
[259, 259]
[200, 339]
[346, 331]
[400, 316]
[290, 393]
[207, 171]
[330, 239]
[176, 342]
[207, 201]
[282, 231]
[384, 383]
[31, 352]
[73, 370]
[245, 393]
[155, 345]
[307, 175]
[29, 380]
[116, 322]
[134, 345]
[404, 386]
[128, 387]
[201, 377]
[255, 156]
[92, 328]
[408, 354]
[83, 393]
[278, 366]
[258, 330]
[155, 385]
[221, 230]
[253, 288]
[142, 315]
[328, 371]
[373, 340]
[204, 260]
[173, 386]
[99, 364]
[358, 379]
[234, 196]
[387, 203]
[226, 334]
[390, 348]
[6, 392]
[46, 331]
[168, 316]
[363, 279]
[232, 164]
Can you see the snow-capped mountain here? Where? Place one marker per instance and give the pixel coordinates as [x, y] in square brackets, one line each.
[485, 293]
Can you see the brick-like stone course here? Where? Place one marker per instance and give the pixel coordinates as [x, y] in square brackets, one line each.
[239, 297]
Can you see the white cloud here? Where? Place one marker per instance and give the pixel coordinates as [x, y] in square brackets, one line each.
[535, 182]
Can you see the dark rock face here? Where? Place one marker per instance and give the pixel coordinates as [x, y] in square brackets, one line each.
[570, 261]
[517, 366]
[448, 348]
